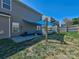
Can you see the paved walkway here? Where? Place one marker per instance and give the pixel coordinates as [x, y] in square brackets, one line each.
[19, 39]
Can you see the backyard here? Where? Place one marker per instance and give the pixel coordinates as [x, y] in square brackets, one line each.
[38, 49]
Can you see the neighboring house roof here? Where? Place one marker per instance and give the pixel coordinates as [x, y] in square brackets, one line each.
[26, 6]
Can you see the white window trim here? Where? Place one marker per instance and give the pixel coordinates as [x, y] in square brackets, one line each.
[12, 27]
[7, 4]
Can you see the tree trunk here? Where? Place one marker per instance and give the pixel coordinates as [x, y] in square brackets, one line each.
[58, 28]
[46, 26]
[67, 28]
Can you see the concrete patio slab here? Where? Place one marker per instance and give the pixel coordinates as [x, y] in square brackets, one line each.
[19, 39]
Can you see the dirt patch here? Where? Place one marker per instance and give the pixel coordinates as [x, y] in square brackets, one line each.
[60, 56]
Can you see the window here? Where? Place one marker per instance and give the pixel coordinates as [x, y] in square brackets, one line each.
[15, 27]
[38, 27]
[6, 4]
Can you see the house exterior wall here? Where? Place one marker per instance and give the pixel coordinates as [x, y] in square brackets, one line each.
[19, 13]
[4, 10]
[4, 27]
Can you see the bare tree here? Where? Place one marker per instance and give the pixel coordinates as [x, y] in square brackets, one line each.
[68, 23]
[58, 27]
[46, 29]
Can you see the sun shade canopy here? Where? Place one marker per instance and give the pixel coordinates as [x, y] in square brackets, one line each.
[39, 22]
[42, 22]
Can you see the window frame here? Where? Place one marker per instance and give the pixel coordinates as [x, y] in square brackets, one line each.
[6, 4]
[17, 27]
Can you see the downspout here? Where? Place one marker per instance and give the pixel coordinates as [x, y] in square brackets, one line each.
[9, 27]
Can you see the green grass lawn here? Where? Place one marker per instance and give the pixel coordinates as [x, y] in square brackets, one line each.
[72, 37]
[51, 50]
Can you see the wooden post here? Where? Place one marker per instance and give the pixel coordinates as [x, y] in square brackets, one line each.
[78, 30]
[46, 29]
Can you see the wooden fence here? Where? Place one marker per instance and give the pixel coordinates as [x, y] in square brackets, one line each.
[71, 29]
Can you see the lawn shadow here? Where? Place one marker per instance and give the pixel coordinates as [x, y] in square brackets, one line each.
[9, 47]
[58, 37]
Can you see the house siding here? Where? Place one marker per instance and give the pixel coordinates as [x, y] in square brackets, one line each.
[22, 12]
[4, 26]
[18, 14]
